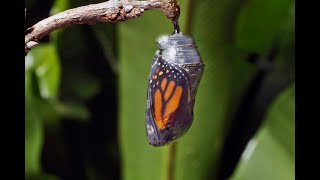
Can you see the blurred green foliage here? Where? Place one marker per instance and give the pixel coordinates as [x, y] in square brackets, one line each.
[85, 92]
[270, 154]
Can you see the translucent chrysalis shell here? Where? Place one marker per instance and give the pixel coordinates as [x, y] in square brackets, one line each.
[173, 82]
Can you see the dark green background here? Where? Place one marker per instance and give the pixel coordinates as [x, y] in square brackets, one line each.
[86, 91]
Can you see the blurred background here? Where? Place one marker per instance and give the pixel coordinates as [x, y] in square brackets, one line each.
[86, 85]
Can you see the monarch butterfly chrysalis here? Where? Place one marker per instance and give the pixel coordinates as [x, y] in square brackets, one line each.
[173, 82]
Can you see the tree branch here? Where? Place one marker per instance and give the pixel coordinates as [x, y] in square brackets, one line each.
[110, 11]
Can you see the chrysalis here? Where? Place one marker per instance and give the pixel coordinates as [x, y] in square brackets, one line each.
[173, 82]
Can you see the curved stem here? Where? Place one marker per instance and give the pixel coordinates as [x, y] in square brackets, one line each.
[110, 11]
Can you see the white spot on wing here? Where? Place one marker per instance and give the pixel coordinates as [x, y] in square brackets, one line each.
[150, 129]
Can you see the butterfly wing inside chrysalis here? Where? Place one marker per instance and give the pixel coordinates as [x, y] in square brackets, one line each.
[173, 82]
[169, 114]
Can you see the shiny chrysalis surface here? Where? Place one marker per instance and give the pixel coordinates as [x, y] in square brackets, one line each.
[173, 82]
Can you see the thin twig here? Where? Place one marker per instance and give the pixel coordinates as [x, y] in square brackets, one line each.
[110, 11]
[171, 160]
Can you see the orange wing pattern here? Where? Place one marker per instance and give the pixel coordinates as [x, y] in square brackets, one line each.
[168, 91]
[166, 101]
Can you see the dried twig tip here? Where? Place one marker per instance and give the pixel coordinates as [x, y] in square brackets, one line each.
[31, 44]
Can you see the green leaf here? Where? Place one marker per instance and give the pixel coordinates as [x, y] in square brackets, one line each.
[260, 22]
[33, 142]
[43, 59]
[270, 154]
[33, 132]
[43, 108]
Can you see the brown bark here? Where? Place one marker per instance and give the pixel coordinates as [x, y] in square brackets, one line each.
[110, 11]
